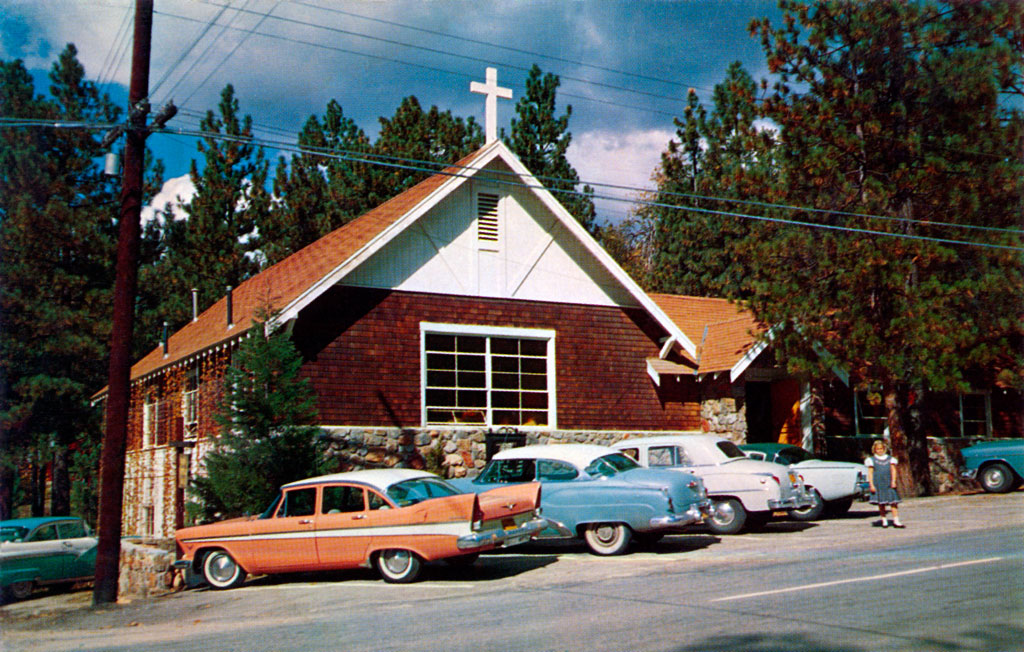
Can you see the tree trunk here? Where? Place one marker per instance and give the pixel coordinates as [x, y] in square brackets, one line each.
[38, 486]
[8, 471]
[817, 407]
[908, 445]
[60, 489]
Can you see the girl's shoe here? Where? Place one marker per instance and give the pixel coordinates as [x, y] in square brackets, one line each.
[898, 525]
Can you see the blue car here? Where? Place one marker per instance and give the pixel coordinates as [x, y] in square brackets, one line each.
[598, 494]
[53, 550]
[998, 466]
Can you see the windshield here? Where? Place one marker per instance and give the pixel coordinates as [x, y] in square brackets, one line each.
[410, 492]
[12, 533]
[508, 471]
[730, 449]
[792, 455]
[608, 465]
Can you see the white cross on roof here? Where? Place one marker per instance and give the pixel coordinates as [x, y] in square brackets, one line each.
[493, 92]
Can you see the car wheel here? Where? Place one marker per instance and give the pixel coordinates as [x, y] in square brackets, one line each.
[18, 590]
[727, 516]
[398, 566]
[838, 507]
[607, 538]
[811, 513]
[222, 571]
[997, 478]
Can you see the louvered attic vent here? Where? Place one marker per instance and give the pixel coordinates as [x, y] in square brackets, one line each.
[487, 217]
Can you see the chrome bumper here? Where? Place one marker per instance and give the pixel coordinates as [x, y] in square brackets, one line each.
[498, 538]
[182, 564]
[969, 474]
[801, 500]
[695, 513]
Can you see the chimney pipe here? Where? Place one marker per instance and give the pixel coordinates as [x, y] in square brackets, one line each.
[195, 304]
[231, 319]
[164, 339]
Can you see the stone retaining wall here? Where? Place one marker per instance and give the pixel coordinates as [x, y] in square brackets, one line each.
[146, 569]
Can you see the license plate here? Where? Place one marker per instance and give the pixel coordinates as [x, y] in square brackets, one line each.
[515, 541]
[508, 523]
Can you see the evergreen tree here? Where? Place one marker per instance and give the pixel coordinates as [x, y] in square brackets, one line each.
[898, 114]
[215, 245]
[428, 139]
[264, 439]
[57, 220]
[318, 192]
[540, 140]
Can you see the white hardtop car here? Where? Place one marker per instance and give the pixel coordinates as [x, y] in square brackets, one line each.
[743, 492]
[833, 485]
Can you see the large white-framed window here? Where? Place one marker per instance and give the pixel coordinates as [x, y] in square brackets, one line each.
[487, 376]
[975, 414]
[190, 399]
[150, 420]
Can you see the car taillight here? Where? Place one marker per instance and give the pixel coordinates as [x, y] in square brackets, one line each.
[777, 481]
[668, 497]
[478, 517]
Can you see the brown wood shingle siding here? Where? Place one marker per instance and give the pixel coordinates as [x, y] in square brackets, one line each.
[362, 348]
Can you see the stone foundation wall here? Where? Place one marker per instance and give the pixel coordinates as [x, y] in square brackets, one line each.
[449, 453]
[146, 569]
[725, 417]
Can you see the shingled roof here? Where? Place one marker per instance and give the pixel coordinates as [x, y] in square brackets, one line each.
[725, 332]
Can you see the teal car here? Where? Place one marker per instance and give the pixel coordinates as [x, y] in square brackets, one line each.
[998, 466]
[49, 550]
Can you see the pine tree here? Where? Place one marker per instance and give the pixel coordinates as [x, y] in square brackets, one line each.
[57, 221]
[214, 246]
[541, 140]
[264, 439]
[321, 190]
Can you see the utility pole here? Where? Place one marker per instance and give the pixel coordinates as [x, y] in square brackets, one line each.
[112, 458]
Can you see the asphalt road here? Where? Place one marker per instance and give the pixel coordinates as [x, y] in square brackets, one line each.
[952, 581]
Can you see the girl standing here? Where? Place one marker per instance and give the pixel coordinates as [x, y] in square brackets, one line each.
[882, 482]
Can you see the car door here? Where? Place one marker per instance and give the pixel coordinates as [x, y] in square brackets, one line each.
[343, 526]
[79, 548]
[43, 553]
[285, 542]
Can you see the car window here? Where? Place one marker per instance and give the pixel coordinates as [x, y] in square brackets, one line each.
[376, 501]
[730, 449]
[754, 455]
[44, 533]
[667, 456]
[792, 455]
[12, 533]
[410, 492]
[72, 530]
[298, 502]
[608, 465]
[342, 499]
[631, 452]
[508, 471]
[556, 471]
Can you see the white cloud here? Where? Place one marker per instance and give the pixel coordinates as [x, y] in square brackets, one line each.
[619, 158]
[176, 191]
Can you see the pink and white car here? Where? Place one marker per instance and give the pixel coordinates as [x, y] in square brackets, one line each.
[743, 492]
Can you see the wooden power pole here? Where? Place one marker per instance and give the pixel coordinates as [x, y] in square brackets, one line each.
[118, 387]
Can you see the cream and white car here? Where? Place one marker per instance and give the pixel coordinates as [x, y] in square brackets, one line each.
[744, 493]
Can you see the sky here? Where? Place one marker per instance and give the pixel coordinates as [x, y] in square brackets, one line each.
[625, 67]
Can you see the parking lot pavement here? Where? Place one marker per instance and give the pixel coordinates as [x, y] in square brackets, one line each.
[556, 563]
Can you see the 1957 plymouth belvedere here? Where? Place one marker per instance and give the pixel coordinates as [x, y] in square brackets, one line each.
[833, 485]
[54, 550]
[743, 492]
[598, 494]
[395, 519]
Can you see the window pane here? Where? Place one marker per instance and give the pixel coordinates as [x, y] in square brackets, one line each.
[298, 502]
[505, 364]
[508, 471]
[71, 530]
[441, 397]
[470, 362]
[470, 416]
[534, 419]
[441, 378]
[471, 398]
[505, 399]
[502, 345]
[506, 381]
[534, 400]
[440, 416]
[443, 361]
[472, 379]
[660, 456]
[555, 471]
[534, 366]
[533, 347]
[468, 344]
[338, 500]
[435, 342]
[534, 381]
[507, 418]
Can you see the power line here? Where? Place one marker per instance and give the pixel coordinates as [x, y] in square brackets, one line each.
[507, 48]
[440, 168]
